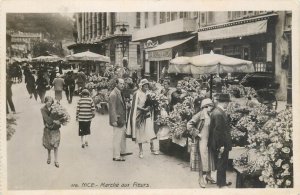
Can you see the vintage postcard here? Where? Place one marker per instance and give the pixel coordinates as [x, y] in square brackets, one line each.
[149, 97]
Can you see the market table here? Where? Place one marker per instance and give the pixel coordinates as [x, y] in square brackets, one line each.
[246, 180]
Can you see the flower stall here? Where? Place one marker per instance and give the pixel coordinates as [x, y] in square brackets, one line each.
[271, 156]
[101, 86]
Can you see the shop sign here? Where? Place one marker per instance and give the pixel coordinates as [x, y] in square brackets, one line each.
[159, 55]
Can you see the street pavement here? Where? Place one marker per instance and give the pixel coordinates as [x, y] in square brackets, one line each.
[89, 168]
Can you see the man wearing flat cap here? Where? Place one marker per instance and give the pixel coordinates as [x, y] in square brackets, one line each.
[220, 138]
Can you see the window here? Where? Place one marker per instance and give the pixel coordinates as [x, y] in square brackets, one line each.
[113, 22]
[203, 19]
[168, 16]
[229, 15]
[173, 16]
[154, 18]
[162, 18]
[138, 53]
[181, 15]
[146, 20]
[138, 20]
[210, 18]
[194, 14]
[185, 15]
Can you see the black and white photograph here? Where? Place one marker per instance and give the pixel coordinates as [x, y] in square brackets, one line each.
[147, 100]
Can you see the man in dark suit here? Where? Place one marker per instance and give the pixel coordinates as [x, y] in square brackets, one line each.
[220, 138]
[117, 119]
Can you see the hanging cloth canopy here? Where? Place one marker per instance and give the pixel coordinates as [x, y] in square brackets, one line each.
[209, 64]
[88, 56]
[50, 58]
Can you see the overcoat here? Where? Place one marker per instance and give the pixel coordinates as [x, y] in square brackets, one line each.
[117, 107]
[219, 131]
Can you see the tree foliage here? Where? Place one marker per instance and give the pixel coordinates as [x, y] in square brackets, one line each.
[54, 26]
[45, 48]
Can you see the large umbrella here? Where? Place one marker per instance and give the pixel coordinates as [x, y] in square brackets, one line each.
[209, 64]
[88, 56]
[50, 58]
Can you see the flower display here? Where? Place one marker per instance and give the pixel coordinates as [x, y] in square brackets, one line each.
[190, 84]
[101, 96]
[178, 118]
[59, 113]
[272, 144]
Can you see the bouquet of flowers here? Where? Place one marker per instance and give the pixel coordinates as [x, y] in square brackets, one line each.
[90, 86]
[102, 83]
[190, 84]
[101, 96]
[179, 117]
[249, 91]
[59, 113]
[109, 72]
[128, 83]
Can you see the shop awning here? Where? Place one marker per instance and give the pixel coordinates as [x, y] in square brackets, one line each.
[233, 30]
[164, 50]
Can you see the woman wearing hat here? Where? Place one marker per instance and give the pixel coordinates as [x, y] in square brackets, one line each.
[51, 135]
[58, 84]
[84, 114]
[199, 128]
[140, 126]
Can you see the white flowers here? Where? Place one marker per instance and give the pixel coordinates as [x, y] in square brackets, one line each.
[278, 162]
[288, 182]
[286, 166]
[279, 145]
[286, 150]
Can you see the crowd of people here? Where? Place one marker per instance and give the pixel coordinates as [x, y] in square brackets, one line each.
[133, 118]
[209, 127]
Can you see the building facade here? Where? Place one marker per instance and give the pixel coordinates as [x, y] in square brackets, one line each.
[107, 33]
[162, 36]
[260, 36]
[149, 40]
[21, 43]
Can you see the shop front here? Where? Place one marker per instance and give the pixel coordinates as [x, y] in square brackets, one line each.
[249, 39]
[157, 58]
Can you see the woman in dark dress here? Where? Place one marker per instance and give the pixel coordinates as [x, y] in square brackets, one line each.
[69, 86]
[41, 86]
[30, 84]
[51, 135]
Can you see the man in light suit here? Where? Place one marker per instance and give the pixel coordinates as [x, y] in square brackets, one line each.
[117, 119]
[220, 138]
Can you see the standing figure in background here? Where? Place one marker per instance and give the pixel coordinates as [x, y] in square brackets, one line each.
[220, 138]
[81, 79]
[84, 114]
[58, 84]
[9, 100]
[52, 75]
[134, 77]
[30, 85]
[200, 123]
[166, 91]
[177, 96]
[69, 86]
[41, 86]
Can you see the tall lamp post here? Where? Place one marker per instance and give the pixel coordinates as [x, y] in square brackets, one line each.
[123, 44]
